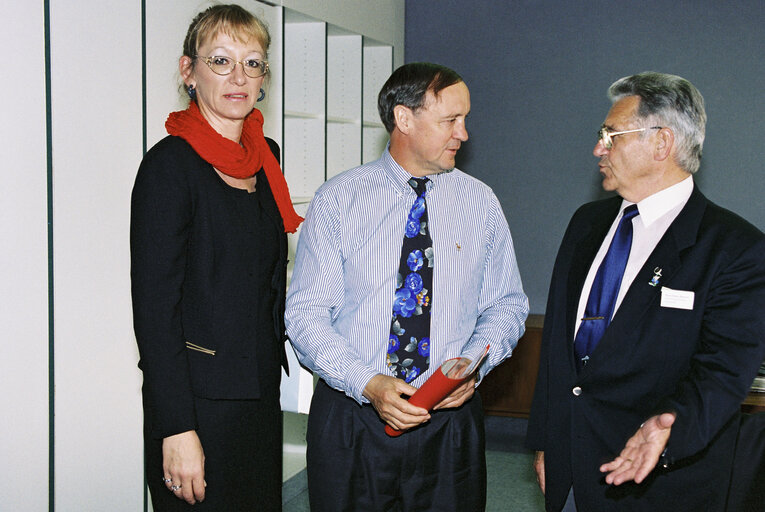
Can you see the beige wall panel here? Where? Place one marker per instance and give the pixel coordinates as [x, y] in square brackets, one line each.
[97, 134]
[24, 265]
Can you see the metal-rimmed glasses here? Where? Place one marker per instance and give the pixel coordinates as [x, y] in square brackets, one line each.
[606, 137]
[221, 65]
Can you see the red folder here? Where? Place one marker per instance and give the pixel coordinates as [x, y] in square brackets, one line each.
[444, 380]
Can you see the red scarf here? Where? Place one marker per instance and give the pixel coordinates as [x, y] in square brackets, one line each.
[234, 160]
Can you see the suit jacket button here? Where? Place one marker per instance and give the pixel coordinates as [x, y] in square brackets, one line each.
[577, 391]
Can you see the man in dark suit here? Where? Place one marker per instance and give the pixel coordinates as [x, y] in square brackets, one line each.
[655, 322]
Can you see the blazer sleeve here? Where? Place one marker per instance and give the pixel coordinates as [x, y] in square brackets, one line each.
[161, 216]
[554, 326]
[729, 351]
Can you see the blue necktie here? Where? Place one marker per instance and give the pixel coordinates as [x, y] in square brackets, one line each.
[605, 288]
[409, 341]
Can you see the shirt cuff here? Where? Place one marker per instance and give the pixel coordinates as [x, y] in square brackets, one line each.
[357, 378]
[474, 351]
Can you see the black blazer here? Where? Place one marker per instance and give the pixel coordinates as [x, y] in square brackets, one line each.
[189, 284]
[698, 363]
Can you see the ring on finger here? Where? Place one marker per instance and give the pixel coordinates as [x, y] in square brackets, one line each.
[167, 480]
[175, 488]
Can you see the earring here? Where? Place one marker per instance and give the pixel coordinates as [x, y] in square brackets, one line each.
[262, 94]
[192, 92]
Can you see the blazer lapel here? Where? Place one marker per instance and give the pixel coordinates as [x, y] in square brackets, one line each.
[681, 234]
[592, 236]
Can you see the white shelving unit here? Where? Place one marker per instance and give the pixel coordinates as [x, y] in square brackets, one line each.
[378, 61]
[344, 99]
[304, 103]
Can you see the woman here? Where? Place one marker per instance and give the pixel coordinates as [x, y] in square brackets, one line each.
[210, 209]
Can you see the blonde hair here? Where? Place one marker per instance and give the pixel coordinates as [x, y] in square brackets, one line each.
[232, 20]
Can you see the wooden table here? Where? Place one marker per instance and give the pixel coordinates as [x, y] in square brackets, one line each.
[509, 388]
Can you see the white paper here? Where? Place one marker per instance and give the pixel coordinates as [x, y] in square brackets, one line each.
[678, 299]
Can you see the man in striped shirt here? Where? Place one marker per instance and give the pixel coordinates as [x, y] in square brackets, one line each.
[341, 302]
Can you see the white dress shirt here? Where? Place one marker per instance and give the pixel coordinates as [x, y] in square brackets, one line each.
[656, 213]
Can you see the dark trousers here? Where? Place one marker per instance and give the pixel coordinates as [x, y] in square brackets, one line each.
[242, 442]
[353, 465]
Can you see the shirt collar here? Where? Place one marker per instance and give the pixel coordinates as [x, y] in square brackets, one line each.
[654, 206]
[400, 177]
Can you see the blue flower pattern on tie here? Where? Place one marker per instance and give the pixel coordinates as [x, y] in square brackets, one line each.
[414, 283]
[393, 343]
[415, 260]
[412, 228]
[411, 303]
[405, 303]
[424, 347]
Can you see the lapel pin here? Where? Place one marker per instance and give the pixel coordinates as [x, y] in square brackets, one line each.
[459, 247]
[656, 276]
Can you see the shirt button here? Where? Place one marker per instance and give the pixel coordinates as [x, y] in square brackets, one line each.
[577, 391]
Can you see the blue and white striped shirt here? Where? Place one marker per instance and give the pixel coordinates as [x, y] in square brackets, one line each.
[340, 301]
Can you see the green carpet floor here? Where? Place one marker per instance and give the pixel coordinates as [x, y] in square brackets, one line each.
[512, 486]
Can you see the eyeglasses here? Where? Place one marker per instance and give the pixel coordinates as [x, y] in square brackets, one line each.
[606, 137]
[220, 65]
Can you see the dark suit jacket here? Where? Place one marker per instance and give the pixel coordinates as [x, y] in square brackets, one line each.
[698, 363]
[190, 284]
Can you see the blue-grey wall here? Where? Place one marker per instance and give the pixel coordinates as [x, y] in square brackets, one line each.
[538, 71]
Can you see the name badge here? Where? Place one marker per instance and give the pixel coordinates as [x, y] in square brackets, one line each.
[678, 299]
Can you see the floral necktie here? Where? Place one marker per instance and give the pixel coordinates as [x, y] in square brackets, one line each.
[409, 342]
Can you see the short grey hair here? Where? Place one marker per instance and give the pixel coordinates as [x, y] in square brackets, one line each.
[668, 101]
